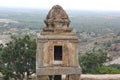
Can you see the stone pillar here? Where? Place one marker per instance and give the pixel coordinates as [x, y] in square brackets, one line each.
[74, 77]
[57, 33]
[67, 77]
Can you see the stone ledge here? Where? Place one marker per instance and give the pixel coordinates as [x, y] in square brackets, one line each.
[57, 37]
[58, 70]
[100, 77]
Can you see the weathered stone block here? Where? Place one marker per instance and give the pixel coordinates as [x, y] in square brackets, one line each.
[58, 70]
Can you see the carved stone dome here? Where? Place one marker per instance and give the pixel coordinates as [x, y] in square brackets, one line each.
[57, 12]
[57, 18]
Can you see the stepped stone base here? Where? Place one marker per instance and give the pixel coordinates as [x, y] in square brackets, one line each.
[68, 77]
[58, 70]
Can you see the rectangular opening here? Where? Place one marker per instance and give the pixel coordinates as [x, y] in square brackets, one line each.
[58, 53]
[57, 77]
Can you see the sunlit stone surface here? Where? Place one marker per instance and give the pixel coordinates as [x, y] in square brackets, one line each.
[57, 55]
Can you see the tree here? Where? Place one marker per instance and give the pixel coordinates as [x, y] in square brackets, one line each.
[90, 62]
[18, 58]
[1, 47]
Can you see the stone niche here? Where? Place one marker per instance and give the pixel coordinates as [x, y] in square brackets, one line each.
[57, 54]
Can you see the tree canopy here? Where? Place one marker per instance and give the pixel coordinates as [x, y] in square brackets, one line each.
[90, 62]
[18, 58]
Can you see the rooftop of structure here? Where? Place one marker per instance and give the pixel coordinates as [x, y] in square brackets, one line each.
[57, 12]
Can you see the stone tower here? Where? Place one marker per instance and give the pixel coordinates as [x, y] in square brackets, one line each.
[57, 56]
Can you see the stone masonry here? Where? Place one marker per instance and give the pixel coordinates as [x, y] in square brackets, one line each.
[57, 55]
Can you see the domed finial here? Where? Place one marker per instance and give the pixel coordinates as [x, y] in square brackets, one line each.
[57, 18]
[57, 12]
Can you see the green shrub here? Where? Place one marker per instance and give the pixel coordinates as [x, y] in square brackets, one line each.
[92, 61]
[108, 70]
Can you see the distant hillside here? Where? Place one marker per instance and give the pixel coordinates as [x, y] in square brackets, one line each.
[99, 22]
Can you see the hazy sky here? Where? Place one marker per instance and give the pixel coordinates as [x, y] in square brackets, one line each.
[67, 4]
